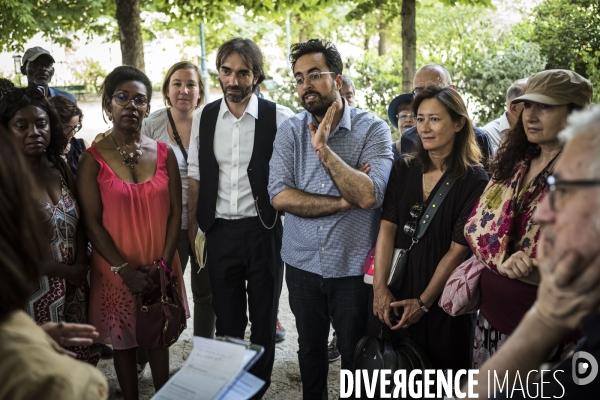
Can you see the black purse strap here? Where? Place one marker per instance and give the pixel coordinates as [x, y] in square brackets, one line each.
[434, 205]
[176, 135]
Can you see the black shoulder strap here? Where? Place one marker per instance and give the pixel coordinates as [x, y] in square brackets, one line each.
[176, 135]
[434, 205]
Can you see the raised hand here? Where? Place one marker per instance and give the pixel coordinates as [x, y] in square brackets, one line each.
[319, 137]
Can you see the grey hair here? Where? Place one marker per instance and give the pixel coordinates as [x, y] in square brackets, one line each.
[346, 80]
[446, 79]
[513, 92]
[582, 122]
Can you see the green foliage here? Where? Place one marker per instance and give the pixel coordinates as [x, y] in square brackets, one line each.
[487, 75]
[90, 74]
[379, 78]
[20, 20]
[283, 91]
[568, 34]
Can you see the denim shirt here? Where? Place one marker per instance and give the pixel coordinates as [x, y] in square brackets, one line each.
[336, 245]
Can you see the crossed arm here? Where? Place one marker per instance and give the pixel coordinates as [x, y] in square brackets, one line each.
[356, 188]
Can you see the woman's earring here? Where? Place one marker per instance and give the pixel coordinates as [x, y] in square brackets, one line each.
[110, 117]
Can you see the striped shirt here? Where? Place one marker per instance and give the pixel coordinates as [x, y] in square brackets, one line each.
[334, 246]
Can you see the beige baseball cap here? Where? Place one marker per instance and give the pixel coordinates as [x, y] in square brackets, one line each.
[558, 87]
[34, 52]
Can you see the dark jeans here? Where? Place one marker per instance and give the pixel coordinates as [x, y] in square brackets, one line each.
[244, 261]
[204, 315]
[315, 302]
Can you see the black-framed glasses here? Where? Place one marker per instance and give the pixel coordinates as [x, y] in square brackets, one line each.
[310, 78]
[554, 183]
[416, 91]
[415, 212]
[67, 129]
[122, 100]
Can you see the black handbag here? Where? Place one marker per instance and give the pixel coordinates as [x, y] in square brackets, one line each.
[376, 353]
[400, 257]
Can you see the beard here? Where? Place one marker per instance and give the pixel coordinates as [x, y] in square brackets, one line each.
[319, 106]
[236, 98]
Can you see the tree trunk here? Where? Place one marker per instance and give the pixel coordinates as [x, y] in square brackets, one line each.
[409, 44]
[381, 46]
[130, 33]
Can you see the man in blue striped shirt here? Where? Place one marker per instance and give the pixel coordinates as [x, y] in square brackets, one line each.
[328, 173]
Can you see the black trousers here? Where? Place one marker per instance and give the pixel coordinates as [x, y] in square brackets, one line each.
[244, 256]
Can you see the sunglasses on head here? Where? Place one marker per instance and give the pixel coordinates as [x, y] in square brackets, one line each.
[11, 93]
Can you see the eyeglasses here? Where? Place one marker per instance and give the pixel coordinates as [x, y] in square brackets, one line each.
[416, 91]
[411, 226]
[554, 183]
[311, 78]
[67, 129]
[122, 100]
[404, 116]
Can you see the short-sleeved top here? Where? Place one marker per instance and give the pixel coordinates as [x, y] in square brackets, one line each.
[330, 246]
[155, 127]
[405, 188]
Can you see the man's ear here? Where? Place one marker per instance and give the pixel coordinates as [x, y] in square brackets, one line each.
[338, 82]
[51, 73]
[24, 68]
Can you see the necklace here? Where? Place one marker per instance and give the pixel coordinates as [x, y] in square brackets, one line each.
[425, 188]
[128, 159]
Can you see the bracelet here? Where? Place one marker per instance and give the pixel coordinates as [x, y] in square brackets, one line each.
[163, 264]
[422, 305]
[319, 151]
[119, 268]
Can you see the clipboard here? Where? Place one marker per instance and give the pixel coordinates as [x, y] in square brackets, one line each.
[253, 351]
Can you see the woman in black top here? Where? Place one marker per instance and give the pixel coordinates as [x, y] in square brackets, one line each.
[70, 117]
[446, 147]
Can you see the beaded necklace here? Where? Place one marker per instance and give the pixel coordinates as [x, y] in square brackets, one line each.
[128, 159]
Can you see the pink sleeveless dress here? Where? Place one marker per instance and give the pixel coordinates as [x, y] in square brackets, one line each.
[135, 216]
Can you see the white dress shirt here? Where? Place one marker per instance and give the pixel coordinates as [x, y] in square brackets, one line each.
[494, 130]
[233, 145]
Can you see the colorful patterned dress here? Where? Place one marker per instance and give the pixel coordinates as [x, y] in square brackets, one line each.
[500, 225]
[54, 299]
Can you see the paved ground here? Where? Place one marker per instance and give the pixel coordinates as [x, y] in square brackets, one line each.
[286, 373]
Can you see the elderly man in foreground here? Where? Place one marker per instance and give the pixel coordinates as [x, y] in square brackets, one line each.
[569, 294]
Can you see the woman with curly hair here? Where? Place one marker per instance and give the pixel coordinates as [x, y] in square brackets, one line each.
[70, 118]
[500, 230]
[61, 292]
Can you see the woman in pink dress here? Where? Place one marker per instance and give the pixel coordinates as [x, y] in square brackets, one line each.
[131, 202]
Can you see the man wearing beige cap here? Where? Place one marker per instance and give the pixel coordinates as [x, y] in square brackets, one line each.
[38, 66]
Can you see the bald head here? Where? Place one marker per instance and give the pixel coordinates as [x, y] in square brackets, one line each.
[515, 90]
[513, 111]
[431, 74]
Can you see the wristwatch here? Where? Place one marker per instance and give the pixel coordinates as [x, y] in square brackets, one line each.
[425, 309]
[119, 268]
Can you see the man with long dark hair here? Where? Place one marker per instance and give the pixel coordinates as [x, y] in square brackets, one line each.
[231, 144]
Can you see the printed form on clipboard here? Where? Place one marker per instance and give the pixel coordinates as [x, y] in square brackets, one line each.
[216, 369]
